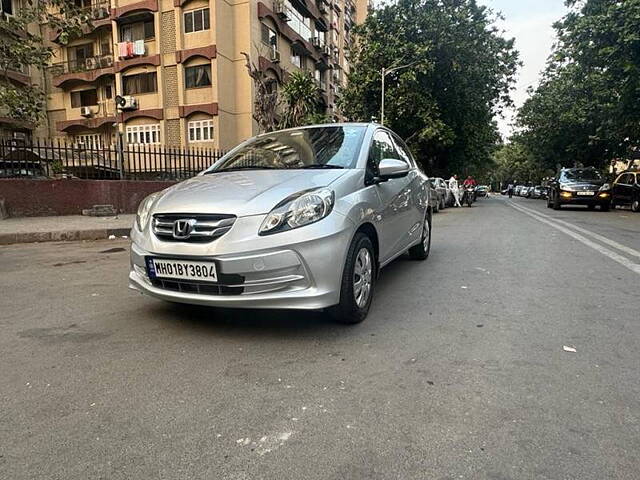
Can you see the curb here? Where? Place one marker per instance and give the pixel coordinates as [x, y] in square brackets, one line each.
[62, 235]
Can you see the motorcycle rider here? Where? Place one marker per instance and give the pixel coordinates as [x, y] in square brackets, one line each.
[470, 182]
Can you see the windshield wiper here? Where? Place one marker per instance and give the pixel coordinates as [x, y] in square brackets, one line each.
[323, 165]
[246, 167]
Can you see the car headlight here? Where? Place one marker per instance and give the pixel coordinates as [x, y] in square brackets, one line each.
[143, 211]
[606, 186]
[567, 187]
[298, 210]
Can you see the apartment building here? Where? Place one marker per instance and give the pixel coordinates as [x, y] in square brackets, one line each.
[177, 70]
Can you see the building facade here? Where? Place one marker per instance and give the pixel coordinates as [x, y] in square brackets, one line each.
[178, 69]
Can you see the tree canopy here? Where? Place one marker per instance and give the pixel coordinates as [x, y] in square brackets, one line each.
[586, 107]
[445, 104]
[22, 46]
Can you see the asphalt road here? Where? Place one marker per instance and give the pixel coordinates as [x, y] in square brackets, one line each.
[459, 371]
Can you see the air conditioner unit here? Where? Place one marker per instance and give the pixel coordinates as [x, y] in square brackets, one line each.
[281, 10]
[126, 102]
[91, 63]
[275, 56]
[86, 111]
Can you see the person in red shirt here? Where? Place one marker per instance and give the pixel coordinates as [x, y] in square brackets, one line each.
[470, 181]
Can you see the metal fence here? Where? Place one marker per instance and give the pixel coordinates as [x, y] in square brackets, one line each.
[59, 158]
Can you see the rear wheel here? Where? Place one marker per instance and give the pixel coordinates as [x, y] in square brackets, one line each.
[635, 205]
[358, 282]
[422, 249]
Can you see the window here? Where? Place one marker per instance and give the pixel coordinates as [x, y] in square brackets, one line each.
[140, 83]
[7, 7]
[132, 32]
[196, 20]
[84, 98]
[381, 147]
[89, 140]
[300, 24]
[108, 92]
[403, 151]
[200, 131]
[269, 37]
[197, 76]
[143, 134]
[296, 59]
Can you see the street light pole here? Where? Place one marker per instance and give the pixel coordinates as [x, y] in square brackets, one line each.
[384, 73]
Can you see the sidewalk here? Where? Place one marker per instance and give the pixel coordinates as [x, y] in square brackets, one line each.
[55, 229]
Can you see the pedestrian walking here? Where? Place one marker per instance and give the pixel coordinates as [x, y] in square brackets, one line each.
[510, 189]
[455, 189]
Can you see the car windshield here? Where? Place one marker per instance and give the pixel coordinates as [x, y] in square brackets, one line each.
[581, 174]
[316, 147]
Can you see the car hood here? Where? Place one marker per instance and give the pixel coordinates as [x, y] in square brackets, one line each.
[240, 193]
[584, 184]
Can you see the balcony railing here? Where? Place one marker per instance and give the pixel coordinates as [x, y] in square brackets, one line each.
[96, 11]
[82, 65]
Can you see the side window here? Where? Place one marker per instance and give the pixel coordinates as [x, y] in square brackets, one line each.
[633, 179]
[403, 151]
[381, 147]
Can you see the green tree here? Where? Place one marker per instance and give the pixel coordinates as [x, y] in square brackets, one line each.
[585, 109]
[300, 95]
[22, 45]
[444, 105]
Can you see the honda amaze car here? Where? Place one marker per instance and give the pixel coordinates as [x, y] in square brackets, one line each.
[579, 186]
[301, 218]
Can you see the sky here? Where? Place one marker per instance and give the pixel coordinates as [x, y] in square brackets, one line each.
[530, 23]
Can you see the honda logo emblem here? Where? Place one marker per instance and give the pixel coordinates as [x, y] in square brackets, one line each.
[182, 228]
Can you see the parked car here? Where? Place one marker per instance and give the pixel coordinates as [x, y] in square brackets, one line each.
[301, 218]
[537, 192]
[524, 192]
[442, 191]
[517, 190]
[434, 200]
[579, 186]
[626, 191]
[482, 191]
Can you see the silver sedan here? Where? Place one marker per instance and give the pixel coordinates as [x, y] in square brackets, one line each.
[301, 218]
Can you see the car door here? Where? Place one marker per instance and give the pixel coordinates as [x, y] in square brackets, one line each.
[621, 190]
[394, 213]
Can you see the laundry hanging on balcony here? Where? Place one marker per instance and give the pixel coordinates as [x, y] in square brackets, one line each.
[126, 49]
[138, 47]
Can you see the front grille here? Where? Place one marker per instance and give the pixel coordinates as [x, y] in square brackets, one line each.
[205, 228]
[195, 287]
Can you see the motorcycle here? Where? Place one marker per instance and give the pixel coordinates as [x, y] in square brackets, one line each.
[468, 195]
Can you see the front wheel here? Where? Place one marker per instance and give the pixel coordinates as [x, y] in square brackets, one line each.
[605, 207]
[635, 205]
[469, 200]
[422, 249]
[556, 203]
[358, 282]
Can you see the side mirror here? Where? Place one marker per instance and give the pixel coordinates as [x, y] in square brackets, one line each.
[391, 168]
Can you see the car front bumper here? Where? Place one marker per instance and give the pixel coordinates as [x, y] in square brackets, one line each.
[600, 198]
[299, 269]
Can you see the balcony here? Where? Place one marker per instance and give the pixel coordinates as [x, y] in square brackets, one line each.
[98, 14]
[84, 70]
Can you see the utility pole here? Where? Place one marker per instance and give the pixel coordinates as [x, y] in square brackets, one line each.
[385, 72]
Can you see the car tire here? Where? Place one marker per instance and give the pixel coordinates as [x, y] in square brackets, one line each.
[556, 203]
[352, 310]
[605, 207]
[549, 202]
[591, 207]
[421, 250]
[442, 204]
[436, 208]
[635, 205]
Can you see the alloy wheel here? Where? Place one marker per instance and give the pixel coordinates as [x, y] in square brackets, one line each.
[426, 235]
[362, 274]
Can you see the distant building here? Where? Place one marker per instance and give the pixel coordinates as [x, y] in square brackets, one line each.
[179, 68]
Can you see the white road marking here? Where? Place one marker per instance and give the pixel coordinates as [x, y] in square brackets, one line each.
[624, 261]
[601, 238]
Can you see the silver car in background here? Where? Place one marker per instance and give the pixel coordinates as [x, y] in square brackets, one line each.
[301, 218]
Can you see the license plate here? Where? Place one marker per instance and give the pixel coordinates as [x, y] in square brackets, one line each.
[587, 194]
[182, 269]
